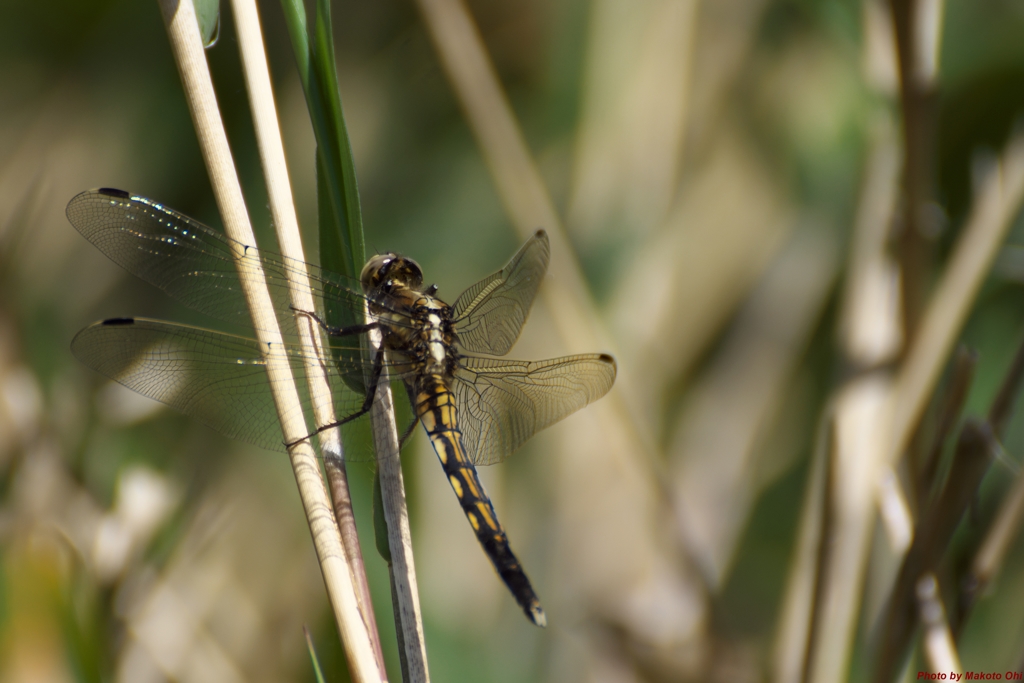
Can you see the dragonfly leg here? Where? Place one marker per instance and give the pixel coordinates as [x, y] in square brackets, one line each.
[371, 392]
[337, 331]
[415, 420]
[408, 432]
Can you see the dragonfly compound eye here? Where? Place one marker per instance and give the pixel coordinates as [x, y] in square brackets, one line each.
[376, 270]
[385, 270]
[407, 271]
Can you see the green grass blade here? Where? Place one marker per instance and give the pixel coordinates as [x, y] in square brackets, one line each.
[312, 656]
[380, 524]
[208, 15]
[343, 250]
[339, 156]
[340, 218]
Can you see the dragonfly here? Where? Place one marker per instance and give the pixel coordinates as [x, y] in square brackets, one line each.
[476, 407]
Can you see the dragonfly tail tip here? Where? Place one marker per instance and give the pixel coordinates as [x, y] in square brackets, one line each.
[536, 614]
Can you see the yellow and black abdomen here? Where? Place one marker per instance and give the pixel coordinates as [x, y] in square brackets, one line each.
[435, 407]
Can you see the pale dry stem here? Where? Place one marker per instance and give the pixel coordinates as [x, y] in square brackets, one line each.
[1000, 538]
[396, 513]
[282, 207]
[995, 206]
[179, 16]
[819, 624]
[859, 428]
[796, 615]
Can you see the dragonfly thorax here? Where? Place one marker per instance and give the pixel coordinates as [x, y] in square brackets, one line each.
[417, 330]
[416, 326]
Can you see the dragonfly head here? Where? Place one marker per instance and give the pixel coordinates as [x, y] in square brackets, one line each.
[385, 270]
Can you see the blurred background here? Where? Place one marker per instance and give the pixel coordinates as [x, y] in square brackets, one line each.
[731, 183]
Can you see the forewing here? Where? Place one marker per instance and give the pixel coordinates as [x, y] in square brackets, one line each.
[216, 378]
[490, 314]
[502, 403]
[196, 264]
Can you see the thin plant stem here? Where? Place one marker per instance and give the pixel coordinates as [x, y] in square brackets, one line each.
[1002, 406]
[995, 206]
[796, 621]
[405, 591]
[282, 207]
[972, 457]
[1003, 530]
[916, 47]
[961, 374]
[860, 412]
[844, 511]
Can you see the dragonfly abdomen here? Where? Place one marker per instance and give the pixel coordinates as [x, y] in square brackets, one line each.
[437, 411]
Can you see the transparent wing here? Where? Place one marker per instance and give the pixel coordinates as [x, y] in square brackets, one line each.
[196, 264]
[502, 403]
[489, 315]
[216, 378]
